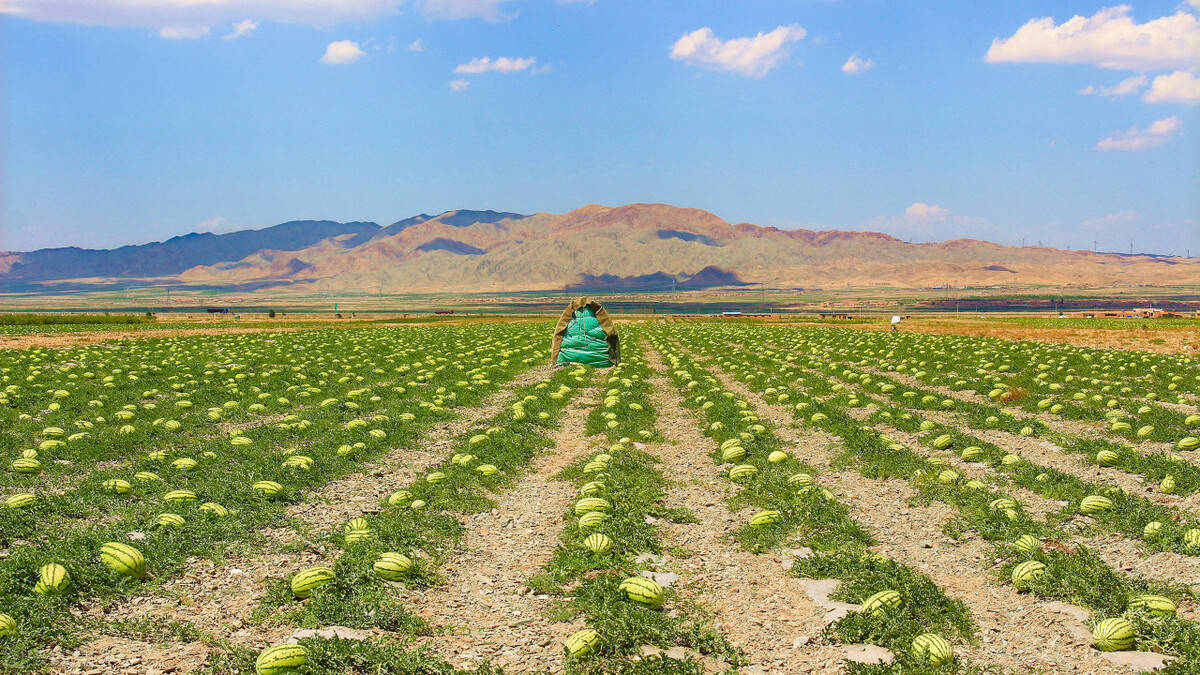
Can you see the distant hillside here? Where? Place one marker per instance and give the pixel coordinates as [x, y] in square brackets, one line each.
[178, 254]
[593, 248]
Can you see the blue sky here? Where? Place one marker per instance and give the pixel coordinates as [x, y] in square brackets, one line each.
[1065, 123]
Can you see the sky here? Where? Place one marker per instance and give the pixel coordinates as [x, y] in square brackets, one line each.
[1069, 124]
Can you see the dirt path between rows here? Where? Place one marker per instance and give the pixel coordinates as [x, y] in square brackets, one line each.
[755, 603]
[913, 535]
[489, 613]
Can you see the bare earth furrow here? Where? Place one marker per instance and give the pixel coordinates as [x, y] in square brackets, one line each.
[754, 602]
[485, 609]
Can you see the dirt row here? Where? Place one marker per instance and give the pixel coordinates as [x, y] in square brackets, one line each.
[485, 608]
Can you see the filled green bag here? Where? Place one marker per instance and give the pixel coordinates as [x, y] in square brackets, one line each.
[584, 341]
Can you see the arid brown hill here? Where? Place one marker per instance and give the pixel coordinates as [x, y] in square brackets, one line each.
[635, 246]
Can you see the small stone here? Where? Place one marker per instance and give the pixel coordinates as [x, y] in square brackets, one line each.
[664, 579]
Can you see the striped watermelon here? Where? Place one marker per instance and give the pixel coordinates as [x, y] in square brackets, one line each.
[117, 486]
[180, 496]
[184, 464]
[1151, 530]
[582, 643]
[1113, 635]
[267, 488]
[765, 518]
[1027, 544]
[20, 501]
[280, 660]
[26, 465]
[123, 559]
[487, 469]
[742, 471]
[214, 509]
[1154, 604]
[8, 626]
[52, 580]
[932, 649]
[1191, 540]
[942, 442]
[800, 479]
[1027, 572]
[592, 519]
[169, 520]
[881, 603]
[598, 543]
[392, 566]
[1095, 504]
[1002, 504]
[589, 504]
[591, 488]
[305, 581]
[972, 454]
[644, 591]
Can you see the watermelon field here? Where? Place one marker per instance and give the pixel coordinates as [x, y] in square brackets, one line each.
[733, 497]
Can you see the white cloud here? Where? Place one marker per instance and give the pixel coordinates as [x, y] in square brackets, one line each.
[488, 10]
[855, 65]
[749, 56]
[459, 85]
[1109, 39]
[1126, 87]
[923, 222]
[1177, 87]
[416, 46]
[1135, 139]
[503, 64]
[243, 28]
[922, 211]
[342, 51]
[182, 32]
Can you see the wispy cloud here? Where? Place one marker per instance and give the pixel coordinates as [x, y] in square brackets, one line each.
[1108, 39]
[342, 52]
[926, 212]
[1126, 87]
[416, 46]
[459, 85]
[750, 56]
[1177, 87]
[1137, 139]
[243, 28]
[855, 65]
[182, 32]
[503, 64]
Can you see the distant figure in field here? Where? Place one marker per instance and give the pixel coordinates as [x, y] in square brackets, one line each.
[895, 324]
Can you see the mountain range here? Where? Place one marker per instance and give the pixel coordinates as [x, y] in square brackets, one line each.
[593, 248]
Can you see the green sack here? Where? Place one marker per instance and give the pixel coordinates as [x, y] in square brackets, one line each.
[584, 341]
